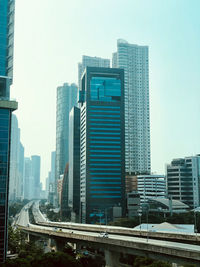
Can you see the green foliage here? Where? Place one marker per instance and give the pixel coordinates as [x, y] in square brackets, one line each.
[142, 261]
[53, 259]
[15, 239]
[51, 215]
[15, 207]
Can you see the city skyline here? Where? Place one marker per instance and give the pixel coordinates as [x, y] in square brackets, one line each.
[174, 132]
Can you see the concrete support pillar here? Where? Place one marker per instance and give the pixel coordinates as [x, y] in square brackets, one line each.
[112, 258]
[28, 238]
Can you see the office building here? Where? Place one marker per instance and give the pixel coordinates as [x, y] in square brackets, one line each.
[151, 186]
[74, 163]
[6, 107]
[91, 62]
[133, 204]
[66, 99]
[183, 180]
[134, 60]
[102, 170]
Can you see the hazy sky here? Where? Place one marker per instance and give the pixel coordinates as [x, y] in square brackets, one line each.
[52, 35]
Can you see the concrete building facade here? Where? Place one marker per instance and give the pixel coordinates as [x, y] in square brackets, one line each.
[134, 59]
[183, 180]
[151, 186]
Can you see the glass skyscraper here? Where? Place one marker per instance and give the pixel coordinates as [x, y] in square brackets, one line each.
[102, 163]
[66, 98]
[6, 108]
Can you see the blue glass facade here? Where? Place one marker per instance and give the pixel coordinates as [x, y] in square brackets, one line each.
[5, 117]
[6, 108]
[102, 143]
[3, 36]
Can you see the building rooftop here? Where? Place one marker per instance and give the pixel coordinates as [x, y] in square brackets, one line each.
[166, 227]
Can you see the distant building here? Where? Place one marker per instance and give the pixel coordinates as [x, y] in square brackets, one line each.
[183, 180]
[35, 168]
[28, 180]
[32, 186]
[102, 166]
[151, 186]
[74, 163]
[134, 59]
[133, 203]
[7, 9]
[66, 99]
[91, 62]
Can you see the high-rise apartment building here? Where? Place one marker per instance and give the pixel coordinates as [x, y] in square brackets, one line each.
[91, 62]
[6, 107]
[102, 169]
[66, 99]
[74, 163]
[134, 60]
[183, 180]
[151, 186]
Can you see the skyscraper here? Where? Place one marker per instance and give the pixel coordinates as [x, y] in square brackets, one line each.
[91, 62]
[66, 99]
[74, 163]
[6, 107]
[102, 170]
[134, 60]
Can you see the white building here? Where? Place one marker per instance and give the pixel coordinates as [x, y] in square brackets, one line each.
[151, 186]
[134, 60]
[91, 62]
[183, 180]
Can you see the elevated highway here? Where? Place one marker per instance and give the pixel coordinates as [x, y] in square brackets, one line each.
[116, 242]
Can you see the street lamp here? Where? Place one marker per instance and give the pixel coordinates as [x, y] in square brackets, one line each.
[146, 208]
[195, 222]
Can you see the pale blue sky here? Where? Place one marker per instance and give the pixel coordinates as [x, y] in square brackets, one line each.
[52, 35]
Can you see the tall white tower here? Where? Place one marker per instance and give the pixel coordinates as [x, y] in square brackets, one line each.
[134, 60]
